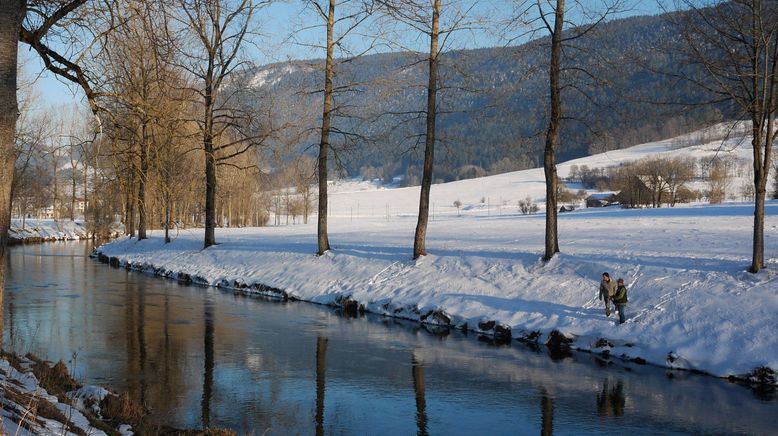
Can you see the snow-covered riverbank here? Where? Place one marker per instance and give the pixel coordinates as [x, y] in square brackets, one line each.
[691, 304]
[28, 408]
[46, 230]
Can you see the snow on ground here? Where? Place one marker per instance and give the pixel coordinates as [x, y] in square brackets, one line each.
[19, 391]
[690, 296]
[46, 230]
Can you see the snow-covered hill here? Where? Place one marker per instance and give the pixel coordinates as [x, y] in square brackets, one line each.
[691, 302]
[501, 193]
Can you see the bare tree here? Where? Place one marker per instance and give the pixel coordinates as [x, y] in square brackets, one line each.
[736, 45]
[326, 124]
[420, 237]
[562, 32]
[435, 22]
[677, 172]
[650, 171]
[718, 181]
[305, 172]
[338, 26]
[211, 37]
[78, 137]
[424, 17]
[138, 89]
[554, 122]
[33, 130]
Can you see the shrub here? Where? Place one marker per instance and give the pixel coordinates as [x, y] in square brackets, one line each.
[527, 206]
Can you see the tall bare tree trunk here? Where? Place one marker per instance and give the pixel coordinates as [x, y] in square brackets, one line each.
[11, 14]
[167, 218]
[131, 206]
[210, 164]
[324, 143]
[95, 212]
[55, 210]
[763, 150]
[73, 196]
[761, 169]
[144, 169]
[549, 154]
[419, 240]
[85, 187]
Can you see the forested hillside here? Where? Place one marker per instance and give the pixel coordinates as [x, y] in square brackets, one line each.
[492, 102]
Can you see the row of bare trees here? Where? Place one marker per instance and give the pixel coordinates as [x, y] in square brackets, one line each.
[657, 181]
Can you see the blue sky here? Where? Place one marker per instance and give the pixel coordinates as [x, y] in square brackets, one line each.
[275, 24]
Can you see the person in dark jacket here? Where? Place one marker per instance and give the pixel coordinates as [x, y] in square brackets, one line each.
[607, 291]
[620, 299]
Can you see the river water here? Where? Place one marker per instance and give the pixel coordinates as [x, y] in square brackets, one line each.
[200, 357]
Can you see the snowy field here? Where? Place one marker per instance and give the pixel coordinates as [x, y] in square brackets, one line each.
[691, 302]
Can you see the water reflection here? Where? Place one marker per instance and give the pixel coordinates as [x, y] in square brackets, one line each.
[610, 401]
[546, 413]
[208, 372]
[321, 366]
[419, 390]
[203, 358]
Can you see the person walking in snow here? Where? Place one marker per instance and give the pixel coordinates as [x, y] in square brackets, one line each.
[607, 290]
[620, 299]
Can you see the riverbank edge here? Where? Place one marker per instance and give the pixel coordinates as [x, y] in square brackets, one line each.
[103, 409]
[40, 240]
[33, 232]
[760, 378]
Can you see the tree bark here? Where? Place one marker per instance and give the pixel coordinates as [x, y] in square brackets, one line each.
[210, 163]
[324, 143]
[130, 230]
[55, 202]
[419, 240]
[144, 169]
[763, 150]
[11, 15]
[549, 154]
[167, 218]
[73, 182]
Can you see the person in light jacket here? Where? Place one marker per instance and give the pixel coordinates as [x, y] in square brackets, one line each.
[620, 299]
[607, 291]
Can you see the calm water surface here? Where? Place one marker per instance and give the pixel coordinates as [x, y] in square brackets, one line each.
[201, 357]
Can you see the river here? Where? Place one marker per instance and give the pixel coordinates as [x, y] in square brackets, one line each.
[200, 357]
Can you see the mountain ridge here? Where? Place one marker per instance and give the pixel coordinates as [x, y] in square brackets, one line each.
[492, 102]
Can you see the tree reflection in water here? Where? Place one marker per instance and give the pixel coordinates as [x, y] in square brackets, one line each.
[150, 338]
[208, 374]
[419, 389]
[610, 402]
[547, 413]
[321, 366]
